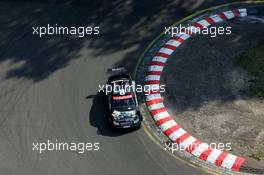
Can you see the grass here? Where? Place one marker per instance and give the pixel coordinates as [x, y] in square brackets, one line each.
[252, 60]
[258, 156]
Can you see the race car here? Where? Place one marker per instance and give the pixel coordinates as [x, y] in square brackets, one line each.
[122, 100]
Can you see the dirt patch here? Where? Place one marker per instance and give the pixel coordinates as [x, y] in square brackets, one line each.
[205, 91]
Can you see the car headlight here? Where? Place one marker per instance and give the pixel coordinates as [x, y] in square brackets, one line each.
[116, 114]
[115, 117]
[115, 123]
[136, 119]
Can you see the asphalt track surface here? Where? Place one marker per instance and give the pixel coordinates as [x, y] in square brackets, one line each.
[57, 108]
[49, 93]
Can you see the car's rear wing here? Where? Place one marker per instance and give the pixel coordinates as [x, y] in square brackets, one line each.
[118, 70]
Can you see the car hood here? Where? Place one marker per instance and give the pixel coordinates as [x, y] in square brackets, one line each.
[124, 114]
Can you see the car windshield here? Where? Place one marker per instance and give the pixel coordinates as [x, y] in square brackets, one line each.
[121, 86]
[119, 103]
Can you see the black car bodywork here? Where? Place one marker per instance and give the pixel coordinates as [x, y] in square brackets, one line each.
[122, 101]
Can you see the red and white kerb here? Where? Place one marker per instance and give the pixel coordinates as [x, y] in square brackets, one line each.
[159, 112]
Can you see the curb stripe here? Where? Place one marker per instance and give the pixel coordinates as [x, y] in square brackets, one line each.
[155, 68]
[157, 111]
[183, 36]
[162, 55]
[204, 23]
[156, 106]
[187, 142]
[153, 73]
[198, 150]
[213, 156]
[238, 162]
[151, 102]
[221, 158]
[168, 125]
[166, 50]
[156, 91]
[160, 59]
[169, 131]
[198, 25]
[178, 39]
[176, 134]
[156, 63]
[173, 43]
[193, 30]
[153, 97]
[186, 31]
[152, 77]
[161, 115]
[151, 87]
[222, 16]
[229, 14]
[168, 46]
[236, 12]
[182, 138]
[209, 20]
[243, 12]
[147, 82]
[205, 154]
[190, 148]
[216, 18]
[229, 161]
[161, 121]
